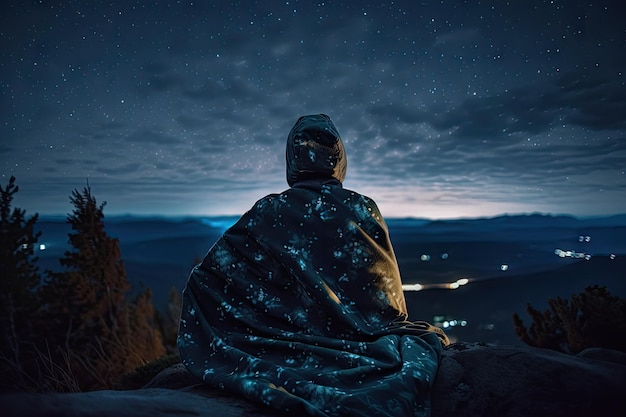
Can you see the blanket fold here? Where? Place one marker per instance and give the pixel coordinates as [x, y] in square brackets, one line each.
[276, 313]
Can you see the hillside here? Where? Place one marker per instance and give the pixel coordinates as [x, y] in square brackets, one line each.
[159, 253]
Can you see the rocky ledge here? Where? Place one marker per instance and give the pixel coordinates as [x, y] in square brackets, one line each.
[474, 380]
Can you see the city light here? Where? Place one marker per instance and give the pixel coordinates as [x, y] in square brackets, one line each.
[440, 321]
[412, 287]
[448, 286]
[571, 254]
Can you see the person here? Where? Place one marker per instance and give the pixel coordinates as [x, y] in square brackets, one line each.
[299, 304]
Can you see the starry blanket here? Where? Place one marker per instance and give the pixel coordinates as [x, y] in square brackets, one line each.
[299, 306]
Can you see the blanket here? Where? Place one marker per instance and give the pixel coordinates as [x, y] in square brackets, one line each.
[299, 306]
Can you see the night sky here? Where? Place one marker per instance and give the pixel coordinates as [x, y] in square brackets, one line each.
[447, 109]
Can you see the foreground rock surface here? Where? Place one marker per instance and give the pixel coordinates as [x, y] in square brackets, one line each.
[473, 380]
[514, 381]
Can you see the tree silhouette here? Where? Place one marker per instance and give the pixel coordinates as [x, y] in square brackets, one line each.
[104, 334]
[19, 282]
[168, 321]
[147, 341]
[592, 318]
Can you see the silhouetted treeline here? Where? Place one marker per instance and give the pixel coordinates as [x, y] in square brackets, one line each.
[75, 329]
[592, 318]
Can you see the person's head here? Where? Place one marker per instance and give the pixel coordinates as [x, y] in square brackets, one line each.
[315, 150]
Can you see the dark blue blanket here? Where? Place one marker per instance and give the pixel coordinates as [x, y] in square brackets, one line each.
[299, 306]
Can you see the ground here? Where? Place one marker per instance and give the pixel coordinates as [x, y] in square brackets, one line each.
[474, 379]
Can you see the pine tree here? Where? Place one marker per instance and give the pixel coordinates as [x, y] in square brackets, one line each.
[169, 320]
[105, 335]
[591, 318]
[19, 279]
[147, 339]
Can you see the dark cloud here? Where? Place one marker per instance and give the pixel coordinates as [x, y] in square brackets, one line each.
[593, 102]
[596, 100]
[193, 122]
[152, 137]
[457, 37]
[118, 169]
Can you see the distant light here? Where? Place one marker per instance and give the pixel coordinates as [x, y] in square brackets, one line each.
[490, 326]
[412, 287]
[452, 323]
[444, 255]
[612, 256]
[504, 267]
[571, 254]
[425, 258]
[42, 246]
[24, 245]
[462, 281]
[453, 286]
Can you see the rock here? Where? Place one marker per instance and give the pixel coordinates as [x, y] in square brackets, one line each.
[150, 402]
[474, 380]
[174, 377]
[192, 400]
[508, 381]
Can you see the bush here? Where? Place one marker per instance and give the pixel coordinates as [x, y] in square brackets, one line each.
[143, 374]
[592, 318]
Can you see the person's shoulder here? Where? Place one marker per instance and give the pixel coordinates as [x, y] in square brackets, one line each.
[270, 203]
[269, 197]
[361, 198]
[262, 210]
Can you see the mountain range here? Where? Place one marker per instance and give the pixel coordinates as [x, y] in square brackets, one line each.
[508, 261]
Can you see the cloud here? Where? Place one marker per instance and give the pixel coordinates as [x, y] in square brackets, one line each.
[536, 145]
[462, 36]
[152, 137]
[590, 101]
[596, 99]
[119, 170]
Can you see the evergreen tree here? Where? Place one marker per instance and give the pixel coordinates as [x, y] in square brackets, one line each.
[169, 320]
[104, 334]
[147, 339]
[19, 280]
[591, 318]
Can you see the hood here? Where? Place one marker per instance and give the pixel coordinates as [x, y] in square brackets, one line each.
[315, 150]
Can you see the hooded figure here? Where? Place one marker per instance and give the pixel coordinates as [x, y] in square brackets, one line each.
[299, 305]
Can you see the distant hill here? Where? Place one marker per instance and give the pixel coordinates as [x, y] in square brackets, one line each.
[510, 260]
[488, 305]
